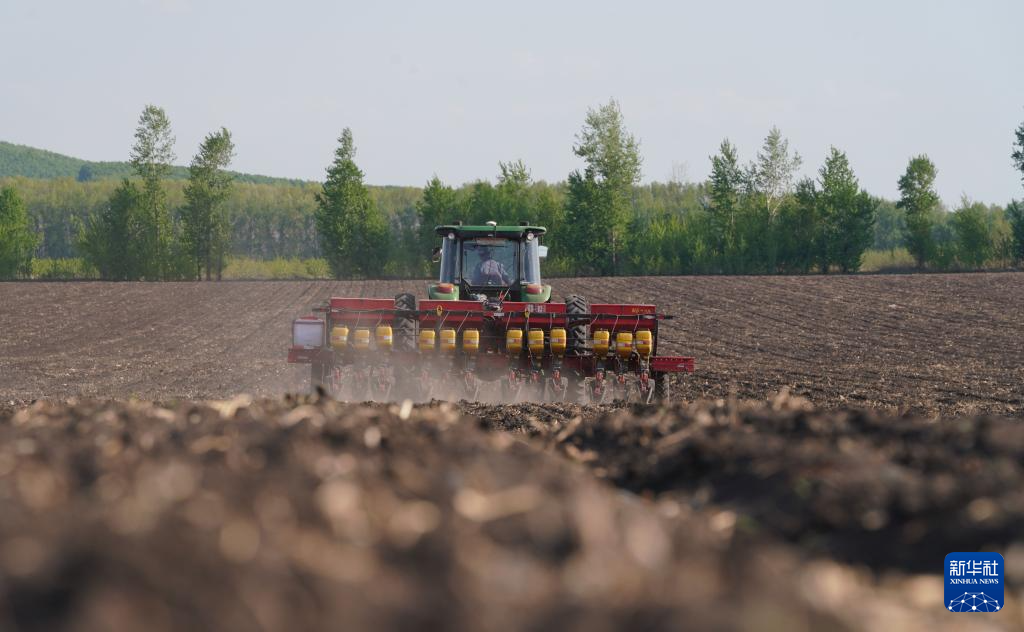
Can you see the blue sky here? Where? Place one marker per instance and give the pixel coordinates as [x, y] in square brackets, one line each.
[451, 88]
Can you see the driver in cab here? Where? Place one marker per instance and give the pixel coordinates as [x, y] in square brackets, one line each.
[489, 271]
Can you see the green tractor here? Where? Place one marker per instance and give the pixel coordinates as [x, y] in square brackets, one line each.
[490, 262]
[488, 319]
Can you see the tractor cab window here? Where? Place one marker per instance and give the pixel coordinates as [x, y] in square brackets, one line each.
[489, 261]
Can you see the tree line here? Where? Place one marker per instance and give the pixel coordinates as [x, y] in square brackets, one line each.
[132, 233]
[748, 217]
[135, 236]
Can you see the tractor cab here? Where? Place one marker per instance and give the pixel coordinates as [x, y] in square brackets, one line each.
[490, 262]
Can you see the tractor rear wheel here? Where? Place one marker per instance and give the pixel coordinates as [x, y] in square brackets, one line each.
[576, 340]
[576, 345]
[662, 388]
[404, 325]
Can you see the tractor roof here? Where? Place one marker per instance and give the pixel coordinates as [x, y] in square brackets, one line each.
[511, 232]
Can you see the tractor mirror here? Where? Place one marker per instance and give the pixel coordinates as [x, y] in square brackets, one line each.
[542, 251]
[435, 254]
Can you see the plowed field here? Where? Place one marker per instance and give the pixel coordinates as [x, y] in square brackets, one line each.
[850, 431]
[926, 344]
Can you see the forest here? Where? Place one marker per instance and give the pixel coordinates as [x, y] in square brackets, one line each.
[752, 215]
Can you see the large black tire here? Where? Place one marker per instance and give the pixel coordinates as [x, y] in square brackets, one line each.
[404, 326]
[576, 343]
[662, 388]
[404, 330]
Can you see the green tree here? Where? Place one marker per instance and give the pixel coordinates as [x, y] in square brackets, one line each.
[859, 229]
[974, 243]
[514, 200]
[768, 182]
[110, 237]
[599, 199]
[1015, 210]
[943, 239]
[890, 226]
[353, 232]
[772, 175]
[585, 203]
[725, 190]
[847, 214]
[205, 225]
[151, 159]
[547, 208]
[799, 229]
[483, 203]
[1015, 216]
[1018, 151]
[918, 200]
[17, 240]
[438, 205]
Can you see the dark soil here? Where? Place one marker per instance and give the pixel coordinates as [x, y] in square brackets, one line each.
[853, 485]
[926, 344]
[303, 515]
[850, 431]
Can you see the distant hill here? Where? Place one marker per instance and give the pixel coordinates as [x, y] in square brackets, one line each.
[29, 162]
